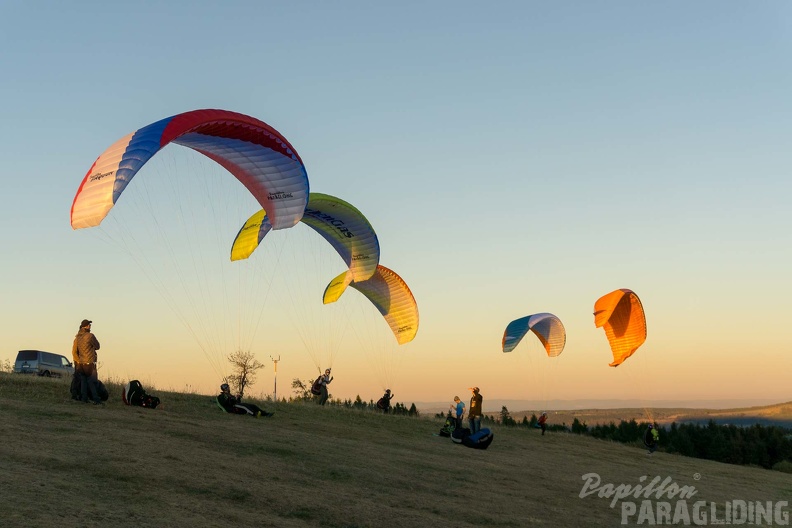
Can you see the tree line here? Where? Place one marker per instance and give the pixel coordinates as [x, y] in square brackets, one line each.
[769, 447]
[302, 392]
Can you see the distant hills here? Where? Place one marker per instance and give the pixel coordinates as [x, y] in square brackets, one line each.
[664, 413]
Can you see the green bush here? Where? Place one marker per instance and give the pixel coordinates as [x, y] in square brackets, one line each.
[785, 466]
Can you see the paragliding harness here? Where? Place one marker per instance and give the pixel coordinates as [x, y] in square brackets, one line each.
[74, 389]
[448, 426]
[233, 410]
[134, 394]
[381, 404]
[479, 440]
[649, 440]
[316, 388]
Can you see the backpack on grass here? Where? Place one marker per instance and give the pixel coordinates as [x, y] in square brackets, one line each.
[479, 440]
[135, 395]
[448, 426]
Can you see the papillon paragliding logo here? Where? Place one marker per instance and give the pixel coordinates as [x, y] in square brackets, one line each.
[659, 501]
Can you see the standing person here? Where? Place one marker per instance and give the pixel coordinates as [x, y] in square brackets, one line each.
[233, 404]
[474, 414]
[86, 345]
[543, 422]
[651, 437]
[74, 389]
[459, 411]
[324, 381]
[384, 402]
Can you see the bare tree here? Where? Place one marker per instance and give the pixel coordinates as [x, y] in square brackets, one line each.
[244, 367]
[6, 366]
[302, 389]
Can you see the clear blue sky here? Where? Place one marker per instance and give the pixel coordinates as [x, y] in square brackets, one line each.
[515, 158]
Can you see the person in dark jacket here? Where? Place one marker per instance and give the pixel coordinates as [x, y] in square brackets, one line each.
[324, 381]
[651, 438]
[474, 414]
[384, 402]
[84, 353]
[233, 404]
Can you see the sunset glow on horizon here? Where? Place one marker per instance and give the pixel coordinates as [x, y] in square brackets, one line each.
[522, 160]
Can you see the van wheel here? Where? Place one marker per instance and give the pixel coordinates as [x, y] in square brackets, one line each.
[46, 374]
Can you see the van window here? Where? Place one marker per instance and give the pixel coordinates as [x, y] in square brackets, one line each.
[65, 362]
[27, 355]
[51, 359]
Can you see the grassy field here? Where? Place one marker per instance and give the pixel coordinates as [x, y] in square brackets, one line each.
[64, 463]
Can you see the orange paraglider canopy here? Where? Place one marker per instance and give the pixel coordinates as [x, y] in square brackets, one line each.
[622, 315]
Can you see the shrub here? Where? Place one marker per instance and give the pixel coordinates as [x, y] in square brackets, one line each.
[785, 466]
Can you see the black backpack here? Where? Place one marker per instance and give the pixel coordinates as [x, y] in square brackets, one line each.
[459, 434]
[448, 426]
[316, 388]
[134, 394]
[74, 389]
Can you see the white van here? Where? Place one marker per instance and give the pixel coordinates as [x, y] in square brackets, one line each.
[42, 363]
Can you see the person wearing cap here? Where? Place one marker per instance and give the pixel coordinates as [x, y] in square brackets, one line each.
[324, 381]
[233, 404]
[459, 411]
[84, 352]
[474, 414]
[384, 402]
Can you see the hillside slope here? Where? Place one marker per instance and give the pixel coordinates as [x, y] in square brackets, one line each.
[71, 464]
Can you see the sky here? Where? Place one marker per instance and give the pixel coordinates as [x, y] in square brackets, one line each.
[514, 158]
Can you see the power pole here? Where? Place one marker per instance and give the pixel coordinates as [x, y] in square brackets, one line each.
[275, 362]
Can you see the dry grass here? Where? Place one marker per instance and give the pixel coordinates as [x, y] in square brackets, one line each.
[72, 464]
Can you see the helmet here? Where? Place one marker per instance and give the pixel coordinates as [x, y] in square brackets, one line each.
[224, 387]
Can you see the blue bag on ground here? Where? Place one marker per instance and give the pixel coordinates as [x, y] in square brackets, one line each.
[480, 440]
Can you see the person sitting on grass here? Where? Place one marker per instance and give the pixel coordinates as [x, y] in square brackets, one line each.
[233, 404]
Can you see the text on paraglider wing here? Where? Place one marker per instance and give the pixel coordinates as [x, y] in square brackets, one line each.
[97, 177]
[330, 220]
[279, 195]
